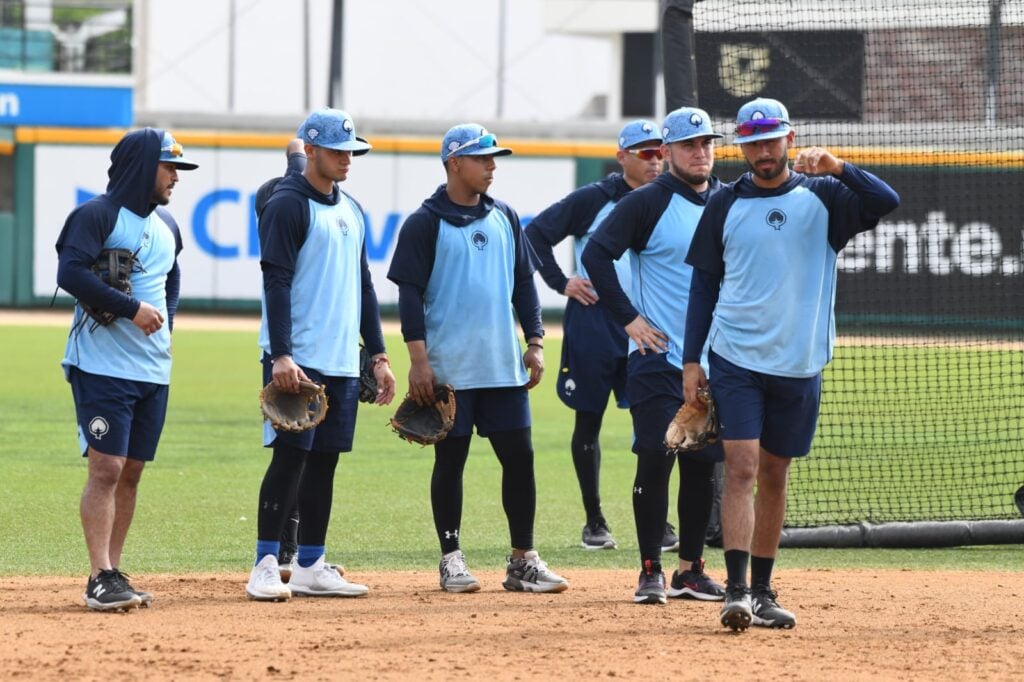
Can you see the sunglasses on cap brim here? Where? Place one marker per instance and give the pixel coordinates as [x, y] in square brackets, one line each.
[760, 125]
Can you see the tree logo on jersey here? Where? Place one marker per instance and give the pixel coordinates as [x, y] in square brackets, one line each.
[570, 386]
[342, 225]
[776, 218]
[696, 121]
[98, 427]
[479, 240]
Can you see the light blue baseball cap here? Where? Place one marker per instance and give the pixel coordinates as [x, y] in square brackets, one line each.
[332, 129]
[687, 123]
[470, 139]
[638, 132]
[761, 119]
[173, 153]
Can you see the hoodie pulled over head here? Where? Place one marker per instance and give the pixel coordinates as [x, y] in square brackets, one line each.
[124, 217]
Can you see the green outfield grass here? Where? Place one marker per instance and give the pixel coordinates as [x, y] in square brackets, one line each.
[197, 505]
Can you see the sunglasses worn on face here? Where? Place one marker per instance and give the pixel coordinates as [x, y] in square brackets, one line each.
[646, 154]
[760, 125]
[484, 142]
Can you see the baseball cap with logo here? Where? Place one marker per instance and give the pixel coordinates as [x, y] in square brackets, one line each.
[638, 132]
[332, 129]
[687, 123]
[761, 119]
[173, 153]
[470, 139]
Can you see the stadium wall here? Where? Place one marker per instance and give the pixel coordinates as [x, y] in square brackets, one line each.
[956, 232]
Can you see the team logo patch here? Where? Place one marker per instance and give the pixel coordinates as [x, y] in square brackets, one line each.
[312, 133]
[479, 240]
[347, 125]
[776, 218]
[647, 127]
[696, 121]
[98, 427]
[570, 386]
[664, 131]
[757, 116]
[342, 225]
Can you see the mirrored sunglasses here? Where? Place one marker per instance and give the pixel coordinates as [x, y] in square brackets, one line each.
[760, 125]
[484, 142]
[646, 154]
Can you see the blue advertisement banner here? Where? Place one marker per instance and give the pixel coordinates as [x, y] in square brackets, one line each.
[65, 105]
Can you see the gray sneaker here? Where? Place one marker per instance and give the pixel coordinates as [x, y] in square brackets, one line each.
[669, 540]
[597, 535]
[455, 576]
[650, 587]
[531, 574]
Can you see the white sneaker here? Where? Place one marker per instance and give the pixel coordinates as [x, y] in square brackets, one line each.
[265, 582]
[455, 576]
[323, 580]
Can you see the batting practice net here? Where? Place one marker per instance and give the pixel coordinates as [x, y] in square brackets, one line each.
[922, 403]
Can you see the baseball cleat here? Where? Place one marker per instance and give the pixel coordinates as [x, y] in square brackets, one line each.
[766, 611]
[146, 598]
[323, 580]
[265, 582]
[109, 591]
[736, 612]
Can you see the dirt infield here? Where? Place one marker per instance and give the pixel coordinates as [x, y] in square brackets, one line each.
[852, 625]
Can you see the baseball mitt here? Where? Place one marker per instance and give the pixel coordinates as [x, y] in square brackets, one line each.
[694, 426]
[114, 267]
[367, 381]
[426, 424]
[294, 412]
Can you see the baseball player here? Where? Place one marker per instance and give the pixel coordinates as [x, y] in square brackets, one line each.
[119, 373]
[763, 285]
[318, 300]
[655, 224]
[464, 273]
[594, 345]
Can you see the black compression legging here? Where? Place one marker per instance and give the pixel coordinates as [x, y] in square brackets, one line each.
[586, 459]
[310, 476]
[518, 487]
[650, 503]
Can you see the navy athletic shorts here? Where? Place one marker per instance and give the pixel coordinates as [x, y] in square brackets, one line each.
[118, 416]
[335, 432]
[655, 395]
[780, 411]
[593, 359]
[491, 410]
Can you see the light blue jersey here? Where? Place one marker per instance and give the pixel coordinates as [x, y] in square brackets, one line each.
[661, 277]
[121, 349]
[623, 264]
[470, 327]
[326, 291]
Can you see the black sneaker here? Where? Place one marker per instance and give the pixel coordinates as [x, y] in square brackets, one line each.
[597, 535]
[146, 597]
[669, 541]
[109, 591]
[651, 586]
[767, 612]
[695, 584]
[736, 612]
